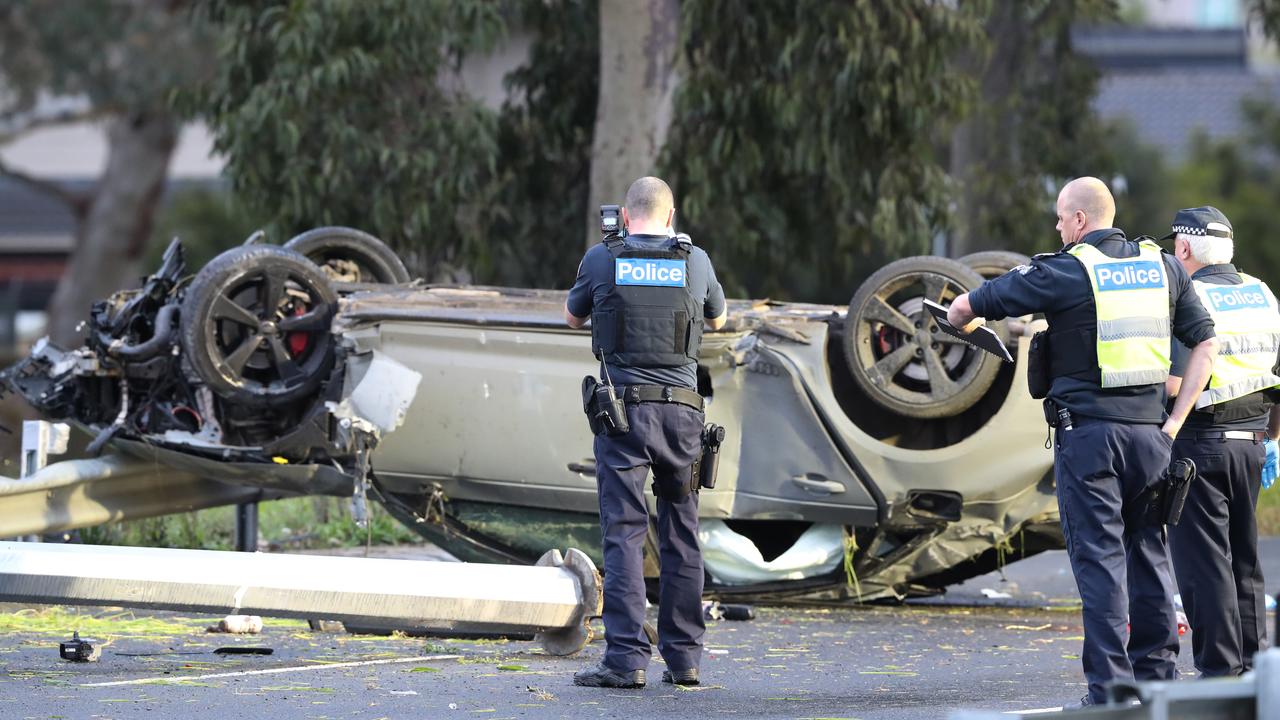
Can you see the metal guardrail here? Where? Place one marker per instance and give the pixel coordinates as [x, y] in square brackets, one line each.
[554, 599]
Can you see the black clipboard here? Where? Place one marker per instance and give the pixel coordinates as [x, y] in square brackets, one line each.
[983, 338]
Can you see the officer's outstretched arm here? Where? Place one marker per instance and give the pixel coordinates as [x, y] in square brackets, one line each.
[573, 320]
[961, 315]
[716, 323]
[1194, 378]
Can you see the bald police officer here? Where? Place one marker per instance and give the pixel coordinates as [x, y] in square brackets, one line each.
[647, 297]
[1111, 303]
[1215, 546]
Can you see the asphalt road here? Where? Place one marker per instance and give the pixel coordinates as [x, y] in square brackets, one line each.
[917, 661]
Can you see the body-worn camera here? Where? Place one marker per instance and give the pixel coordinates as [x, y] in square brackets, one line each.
[611, 222]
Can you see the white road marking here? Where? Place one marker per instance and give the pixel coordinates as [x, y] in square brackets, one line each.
[1037, 711]
[273, 671]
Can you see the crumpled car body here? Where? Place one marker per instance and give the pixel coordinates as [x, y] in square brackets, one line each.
[459, 409]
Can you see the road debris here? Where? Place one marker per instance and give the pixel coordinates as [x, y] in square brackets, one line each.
[540, 693]
[238, 625]
[243, 650]
[78, 649]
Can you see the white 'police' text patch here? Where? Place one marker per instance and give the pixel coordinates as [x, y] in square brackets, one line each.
[649, 271]
[1135, 275]
[1237, 297]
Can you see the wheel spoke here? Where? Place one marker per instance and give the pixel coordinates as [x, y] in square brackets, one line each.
[315, 319]
[224, 308]
[940, 383]
[287, 368]
[240, 356]
[878, 310]
[886, 367]
[934, 287]
[272, 291]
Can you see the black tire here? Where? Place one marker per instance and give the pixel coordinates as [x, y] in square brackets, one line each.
[994, 263]
[896, 353]
[348, 255]
[245, 353]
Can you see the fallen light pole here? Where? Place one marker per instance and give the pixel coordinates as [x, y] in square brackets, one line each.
[554, 599]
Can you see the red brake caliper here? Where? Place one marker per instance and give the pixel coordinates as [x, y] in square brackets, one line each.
[298, 341]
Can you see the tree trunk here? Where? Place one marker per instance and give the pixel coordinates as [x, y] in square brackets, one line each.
[984, 143]
[639, 45]
[112, 238]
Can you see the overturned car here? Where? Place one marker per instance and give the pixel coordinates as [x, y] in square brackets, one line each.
[869, 455]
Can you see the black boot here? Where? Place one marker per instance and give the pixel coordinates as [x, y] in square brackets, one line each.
[680, 677]
[601, 676]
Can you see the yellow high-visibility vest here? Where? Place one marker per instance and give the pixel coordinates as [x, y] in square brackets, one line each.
[1132, 300]
[1247, 322]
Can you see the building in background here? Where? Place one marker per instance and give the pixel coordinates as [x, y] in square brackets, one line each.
[1181, 67]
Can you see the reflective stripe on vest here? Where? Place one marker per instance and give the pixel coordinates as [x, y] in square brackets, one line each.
[1131, 296]
[1246, 319]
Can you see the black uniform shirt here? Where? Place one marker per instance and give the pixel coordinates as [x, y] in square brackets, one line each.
[1224, 274]
[1057, 285]
[595, 278]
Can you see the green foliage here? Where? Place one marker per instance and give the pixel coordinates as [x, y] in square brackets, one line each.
[1034, 127]
[544, 149]
[102, 50]
[1141, 181]
[348, 112]
[296, 522]
[803, 151]
[1241, 178]
[1268, 12]
[207, 220]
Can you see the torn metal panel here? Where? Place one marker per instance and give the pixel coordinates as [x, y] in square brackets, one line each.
[381, 390]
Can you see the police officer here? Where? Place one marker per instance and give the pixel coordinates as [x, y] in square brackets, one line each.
[1111, 303]
[647, 297]
[1215, 546]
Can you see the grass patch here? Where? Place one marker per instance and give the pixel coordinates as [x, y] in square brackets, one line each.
[295, 523]
[1269, 511]
[60, 621]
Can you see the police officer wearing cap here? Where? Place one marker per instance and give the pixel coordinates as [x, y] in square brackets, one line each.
[647, 297]
[1111, 304]
[1215, 545]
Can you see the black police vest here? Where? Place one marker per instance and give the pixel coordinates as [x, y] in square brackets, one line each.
[648, 318]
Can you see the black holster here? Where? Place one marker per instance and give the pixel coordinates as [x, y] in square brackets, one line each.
[604, 409]
[703, 472]
[1162, 504]
[1039, 379]
[708, 463]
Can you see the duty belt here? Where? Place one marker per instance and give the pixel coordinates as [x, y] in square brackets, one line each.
[1224, 435]
[633, 394]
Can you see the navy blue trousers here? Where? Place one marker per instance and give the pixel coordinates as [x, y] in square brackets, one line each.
[664, 438]
[1122, 569]
[1215, 555]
